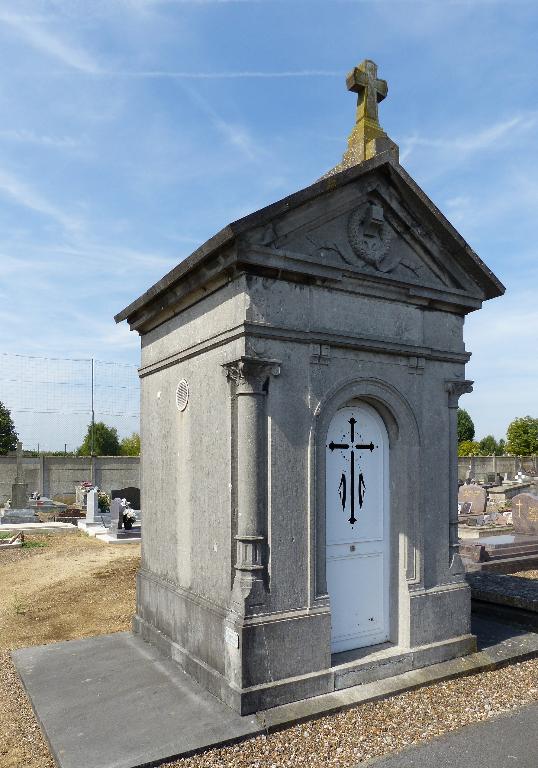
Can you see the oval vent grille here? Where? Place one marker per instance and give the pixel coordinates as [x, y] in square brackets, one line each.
[182, 395]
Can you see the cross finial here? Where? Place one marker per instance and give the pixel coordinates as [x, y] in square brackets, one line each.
[364, 81]
[367, 138]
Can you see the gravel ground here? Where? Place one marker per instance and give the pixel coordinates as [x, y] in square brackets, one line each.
[374, 730]
[75, 587]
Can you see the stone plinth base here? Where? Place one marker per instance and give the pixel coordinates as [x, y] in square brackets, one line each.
[258, 662]
[19, 495]
[374, 666]
[17, 516]
[92, 529]
[121, 537]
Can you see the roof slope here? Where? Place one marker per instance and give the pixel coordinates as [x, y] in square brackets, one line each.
[383, 163]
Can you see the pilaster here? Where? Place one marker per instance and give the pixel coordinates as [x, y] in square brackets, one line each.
[249, 381]
[454, 391]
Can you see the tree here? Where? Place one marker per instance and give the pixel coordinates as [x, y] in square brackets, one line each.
[8, 435]
[130, 446]
[522, 436]
[469, 448]
[465, 426]
[489, 446]
[105, 441]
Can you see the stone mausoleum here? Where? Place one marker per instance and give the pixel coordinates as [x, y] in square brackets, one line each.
[300, 378]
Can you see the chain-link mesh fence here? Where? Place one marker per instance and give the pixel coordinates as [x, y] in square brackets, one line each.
[51, 399]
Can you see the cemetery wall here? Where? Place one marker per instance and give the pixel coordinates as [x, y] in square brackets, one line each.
[483, 465]
[58, 475]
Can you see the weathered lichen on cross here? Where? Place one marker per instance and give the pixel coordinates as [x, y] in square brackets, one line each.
[364, 81]
[367, 138]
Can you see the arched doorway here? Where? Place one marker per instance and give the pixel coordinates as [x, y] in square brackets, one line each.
[357, 527]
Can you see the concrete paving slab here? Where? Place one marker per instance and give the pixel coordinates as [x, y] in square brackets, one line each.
[515, 591]
[507, 740]
[51, 527]
[114, 702]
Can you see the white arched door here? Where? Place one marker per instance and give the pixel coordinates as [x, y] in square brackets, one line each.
[357, 528]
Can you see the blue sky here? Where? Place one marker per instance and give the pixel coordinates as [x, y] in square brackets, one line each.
[132, 130]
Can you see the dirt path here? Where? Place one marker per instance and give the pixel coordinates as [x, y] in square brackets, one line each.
[70, 588]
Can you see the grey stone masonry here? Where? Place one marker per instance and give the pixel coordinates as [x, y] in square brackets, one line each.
[349, 294]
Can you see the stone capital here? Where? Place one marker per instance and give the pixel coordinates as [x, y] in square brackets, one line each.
[249, 374]
[456, 389]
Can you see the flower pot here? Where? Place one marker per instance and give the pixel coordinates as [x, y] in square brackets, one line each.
[127, 524]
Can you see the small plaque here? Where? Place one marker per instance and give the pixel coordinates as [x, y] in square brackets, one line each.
[465, 508]
[231, 637]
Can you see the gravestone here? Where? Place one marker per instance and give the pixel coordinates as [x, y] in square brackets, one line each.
[476, 496]
[19, 510]
[296, 368]
[19, 489]
[525, 513]
[92, 507]
[117, 532]
[130, 494]
[116, 516]
[80, 495]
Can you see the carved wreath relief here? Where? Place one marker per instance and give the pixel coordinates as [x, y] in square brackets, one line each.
[370, 236]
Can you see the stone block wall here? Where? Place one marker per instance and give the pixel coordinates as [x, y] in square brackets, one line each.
[58, 475]
[484, 465]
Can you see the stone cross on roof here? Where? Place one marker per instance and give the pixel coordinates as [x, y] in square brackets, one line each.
[367, 138]
[364, 81]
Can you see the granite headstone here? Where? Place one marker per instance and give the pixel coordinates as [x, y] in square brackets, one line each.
[130, 494]
[525, 513]
[474, 494]
[116, 516]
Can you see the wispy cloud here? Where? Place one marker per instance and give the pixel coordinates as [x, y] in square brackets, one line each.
[486, 139]
[237, 135]
[37, 36]
[23, 194]
[164, 74]
[230, 75]
[24, 136]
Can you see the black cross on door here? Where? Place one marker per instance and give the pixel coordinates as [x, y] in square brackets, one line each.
[354, 491]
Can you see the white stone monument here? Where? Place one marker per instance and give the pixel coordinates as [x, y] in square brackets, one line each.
[93, 522]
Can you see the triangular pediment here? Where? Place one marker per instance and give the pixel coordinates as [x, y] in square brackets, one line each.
[370, 225]
[367, 227]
